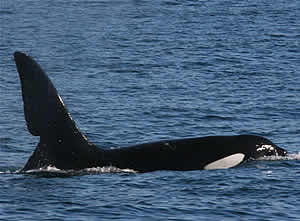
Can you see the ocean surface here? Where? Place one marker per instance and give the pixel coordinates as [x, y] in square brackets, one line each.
[134, 71]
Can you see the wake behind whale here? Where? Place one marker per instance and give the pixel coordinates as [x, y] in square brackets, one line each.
[64, 147]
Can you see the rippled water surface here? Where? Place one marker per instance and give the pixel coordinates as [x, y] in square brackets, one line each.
[133, 71]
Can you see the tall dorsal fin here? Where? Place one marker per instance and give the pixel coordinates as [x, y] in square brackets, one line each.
[44, 109]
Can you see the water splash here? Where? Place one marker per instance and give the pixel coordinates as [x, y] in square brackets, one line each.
[109, 169]
[53, 171]
[9, 171]
[295, 156]
[49, 169]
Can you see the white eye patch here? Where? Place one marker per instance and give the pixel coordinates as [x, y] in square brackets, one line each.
[226, 162]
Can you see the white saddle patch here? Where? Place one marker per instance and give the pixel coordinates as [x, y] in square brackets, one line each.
[226, 162]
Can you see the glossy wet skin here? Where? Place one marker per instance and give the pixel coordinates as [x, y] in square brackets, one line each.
[63, 145]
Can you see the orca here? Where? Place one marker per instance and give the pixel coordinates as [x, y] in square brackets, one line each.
[63, 146]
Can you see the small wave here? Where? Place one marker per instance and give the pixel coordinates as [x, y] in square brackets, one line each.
[6, 12]
[217, 117]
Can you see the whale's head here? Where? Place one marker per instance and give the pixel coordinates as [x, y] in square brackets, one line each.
[258, 146]
[270, 149]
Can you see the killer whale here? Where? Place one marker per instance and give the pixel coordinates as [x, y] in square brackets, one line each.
[64, 146]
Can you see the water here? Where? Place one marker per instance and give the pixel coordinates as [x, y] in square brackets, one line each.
[133, 71]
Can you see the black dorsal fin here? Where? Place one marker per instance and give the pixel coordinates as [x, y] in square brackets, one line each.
[45, 111]
[61, 143]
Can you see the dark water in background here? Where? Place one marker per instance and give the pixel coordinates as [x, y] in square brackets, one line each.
[133, 71]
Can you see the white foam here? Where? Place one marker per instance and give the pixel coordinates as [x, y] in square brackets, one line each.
[10, 171]
[108, 169]
[294, 156]
[268, 172]
[226, 162]
[287, 157]
[50, 169]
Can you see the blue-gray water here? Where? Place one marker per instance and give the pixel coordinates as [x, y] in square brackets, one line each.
[133, 71]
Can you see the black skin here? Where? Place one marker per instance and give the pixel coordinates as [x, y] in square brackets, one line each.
[63, 145]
